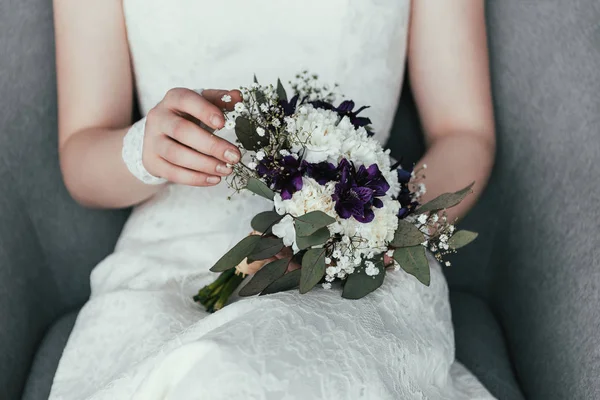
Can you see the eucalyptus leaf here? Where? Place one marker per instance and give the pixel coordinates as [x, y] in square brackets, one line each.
[461, 239]
[313, 269]
[317, 238]
[265, 276]
[245, 131]
[255, 79]
[260, 97]
[407, 235]
[446, 200]
[235, 256]
[281, 91]
[414, 261]
[267, 247]
[260, 188]
[359, 284]
[264, 221]
[289, 281]
[311, 222]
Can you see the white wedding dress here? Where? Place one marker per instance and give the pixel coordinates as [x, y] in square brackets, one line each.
[140, 336]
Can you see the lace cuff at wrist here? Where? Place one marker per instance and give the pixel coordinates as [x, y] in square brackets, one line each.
[133, 147]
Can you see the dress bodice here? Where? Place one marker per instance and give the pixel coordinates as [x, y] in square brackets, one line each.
[359, 44]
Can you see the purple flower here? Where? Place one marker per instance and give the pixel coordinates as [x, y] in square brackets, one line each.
[345, 109]
[289, 107]
[407, 205]
[284, 175]
[322, 172]
[357, 191]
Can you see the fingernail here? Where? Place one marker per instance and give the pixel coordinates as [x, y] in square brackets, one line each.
[232, 156]
[213, 179]
[216, 120]
[223, 169]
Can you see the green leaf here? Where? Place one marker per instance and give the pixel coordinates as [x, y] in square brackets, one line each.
[414, 262]
[319, 237]
[281, 91]
[461, 239]
[311, 222]
[245, 131]
[289, 281]
[407, 235]
[235, 256]
[260, 97]
[260, 188]
[313, 269]
[267, 247]
[264, 277]
[446, 200]
[255, 79]
[359, 284]
[265, 220]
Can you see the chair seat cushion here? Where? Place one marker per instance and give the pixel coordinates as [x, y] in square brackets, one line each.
[47, 358]
[480, 346]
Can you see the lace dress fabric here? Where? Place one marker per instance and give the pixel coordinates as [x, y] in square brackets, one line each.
[140, 336]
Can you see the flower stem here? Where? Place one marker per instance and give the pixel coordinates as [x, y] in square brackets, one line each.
[214, 296]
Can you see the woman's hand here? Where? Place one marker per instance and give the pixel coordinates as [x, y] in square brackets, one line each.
[177, 145]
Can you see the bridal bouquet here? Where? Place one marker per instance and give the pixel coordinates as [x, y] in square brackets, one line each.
[341, 210]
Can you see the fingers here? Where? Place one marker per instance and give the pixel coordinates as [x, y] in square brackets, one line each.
[216, 97]
[187, 101]
[183, 156]
[191, 135]
[184, 176]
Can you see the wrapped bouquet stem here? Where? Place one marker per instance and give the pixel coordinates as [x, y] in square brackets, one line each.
[341, 208]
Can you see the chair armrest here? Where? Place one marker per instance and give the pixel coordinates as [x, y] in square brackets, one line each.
[28, 295]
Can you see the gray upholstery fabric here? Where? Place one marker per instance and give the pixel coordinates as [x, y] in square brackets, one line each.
[48, 244]
[47, 358]
[480, 345]
[534, 267]
[546, 259]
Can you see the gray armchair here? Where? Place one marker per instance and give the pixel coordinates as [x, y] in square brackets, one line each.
[525, 297]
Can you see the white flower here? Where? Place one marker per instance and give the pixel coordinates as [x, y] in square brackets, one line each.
[284, 229]
[239, 107]
[327, 260]
[422, 218]
[327, 285]
[329, 278]
[331, 270]
[260, 155]
[374, 236]
[448, 263]
[276, 123]
[371, 269]
[312, 197]
[451, 228]
[230, 124]
[316, 131]
[260, 131]
[226, 98]
[443, 238]
[252, 165]
[264, 108]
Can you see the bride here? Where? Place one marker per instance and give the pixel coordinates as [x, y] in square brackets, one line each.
[140, 335]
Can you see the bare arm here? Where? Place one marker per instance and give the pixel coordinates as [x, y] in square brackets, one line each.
[95, 96]
[449, 71]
